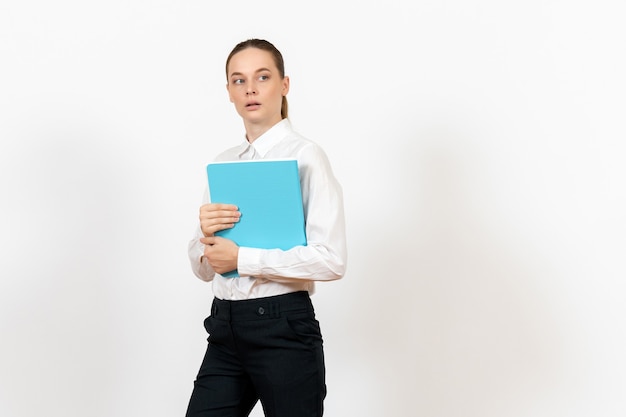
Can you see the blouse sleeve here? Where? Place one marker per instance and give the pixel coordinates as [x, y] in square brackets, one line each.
[195, 249]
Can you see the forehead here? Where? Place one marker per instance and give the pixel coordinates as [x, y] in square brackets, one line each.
[250, 60]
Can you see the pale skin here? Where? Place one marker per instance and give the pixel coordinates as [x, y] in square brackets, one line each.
[256, 89]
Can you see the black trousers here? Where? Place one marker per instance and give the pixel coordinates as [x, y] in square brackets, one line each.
[267, 349]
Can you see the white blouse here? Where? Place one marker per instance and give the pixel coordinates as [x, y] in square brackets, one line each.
[269, 272]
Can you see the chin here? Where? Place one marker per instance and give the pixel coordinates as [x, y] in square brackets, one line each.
[254, 117]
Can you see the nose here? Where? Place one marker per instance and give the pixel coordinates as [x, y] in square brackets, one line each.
[251, 89]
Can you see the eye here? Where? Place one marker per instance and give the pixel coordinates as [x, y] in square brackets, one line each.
[237, 81]
[264, 77]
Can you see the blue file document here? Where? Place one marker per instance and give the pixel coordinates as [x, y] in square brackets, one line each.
[269, 198]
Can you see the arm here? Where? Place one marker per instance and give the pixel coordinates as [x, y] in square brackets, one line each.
[324, 257]
[199, 265]
[209, 254]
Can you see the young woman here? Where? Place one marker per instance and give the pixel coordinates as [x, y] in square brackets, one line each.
[264, 341]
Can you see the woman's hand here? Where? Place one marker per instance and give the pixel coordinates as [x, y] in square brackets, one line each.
[221, 253]
[215, 217]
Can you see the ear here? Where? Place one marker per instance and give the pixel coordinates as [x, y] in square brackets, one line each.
[285, 85]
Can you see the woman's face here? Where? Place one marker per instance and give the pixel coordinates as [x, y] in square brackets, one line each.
[255, 87]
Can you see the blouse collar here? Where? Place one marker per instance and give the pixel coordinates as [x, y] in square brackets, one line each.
[269, 139]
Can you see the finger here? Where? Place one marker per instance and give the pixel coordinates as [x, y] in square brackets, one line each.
[218, 207]
[227, 215]
[209, 228]
[219, 213]
[221, 222]
[220, 216]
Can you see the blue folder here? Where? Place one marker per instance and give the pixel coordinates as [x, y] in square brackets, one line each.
[269, 198]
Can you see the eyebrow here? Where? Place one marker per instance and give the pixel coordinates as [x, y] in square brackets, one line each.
[256, 72]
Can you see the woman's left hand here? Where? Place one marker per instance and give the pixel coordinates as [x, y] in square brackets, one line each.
[221, 253]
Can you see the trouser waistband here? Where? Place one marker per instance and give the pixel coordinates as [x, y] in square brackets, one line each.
[260, 308]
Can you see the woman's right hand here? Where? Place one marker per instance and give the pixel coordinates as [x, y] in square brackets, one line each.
[215, 217]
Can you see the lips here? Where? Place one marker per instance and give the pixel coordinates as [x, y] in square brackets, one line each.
[252, 104]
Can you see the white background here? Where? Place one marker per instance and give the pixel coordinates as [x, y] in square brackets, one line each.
[481, 147]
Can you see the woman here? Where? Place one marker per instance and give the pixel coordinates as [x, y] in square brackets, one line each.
[264, 341]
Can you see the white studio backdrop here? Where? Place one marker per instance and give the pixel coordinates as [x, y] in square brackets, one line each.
[480, 146]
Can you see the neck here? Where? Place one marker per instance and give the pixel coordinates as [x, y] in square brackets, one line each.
[254, 131]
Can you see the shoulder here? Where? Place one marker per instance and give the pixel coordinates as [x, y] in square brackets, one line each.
[303, 147]
[230, 154]
[312, 159]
